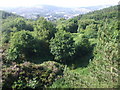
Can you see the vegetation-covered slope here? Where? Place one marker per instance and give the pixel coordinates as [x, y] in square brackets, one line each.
[85, 50]
[6, 14]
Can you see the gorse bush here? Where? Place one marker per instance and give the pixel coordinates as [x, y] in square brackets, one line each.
[32, 76]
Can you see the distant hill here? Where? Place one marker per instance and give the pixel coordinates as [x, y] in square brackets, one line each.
[51, 12]
[106, 13]
[5, 14]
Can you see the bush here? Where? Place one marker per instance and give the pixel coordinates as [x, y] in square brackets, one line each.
[82, 45]
[21, 46]
[44, 29]
[105, 63]
[73, 79]
[62, 46]
[29, 75]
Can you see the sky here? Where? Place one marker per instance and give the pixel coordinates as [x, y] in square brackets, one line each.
[60, 3]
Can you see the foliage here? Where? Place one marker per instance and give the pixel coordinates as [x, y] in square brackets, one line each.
[84, 23]
[100, 15]
[13, 25]
[44, 29]
[91, 31]
[75, 80]
[88, 27]
[6, 15]
[103, 71]
[20, 24]
[31, 76]
[107, 56]
[82, 45]
[62, 46]
[70, 25]
[88, 44]
[21, 46]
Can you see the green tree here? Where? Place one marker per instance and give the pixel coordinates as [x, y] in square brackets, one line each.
[62, 46]
[22, 46]
[13, 25]
[20, 24]
[67, 25]
[82, 45]
[91, 31]
[44, 29]
[82, 24]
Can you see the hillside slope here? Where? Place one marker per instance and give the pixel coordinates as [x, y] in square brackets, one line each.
[5, 14]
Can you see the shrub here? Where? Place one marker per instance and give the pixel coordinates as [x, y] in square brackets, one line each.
[105, 63]
[82, 45]
[21, 46]
[73, 79]
[62, 46]
[29, 75]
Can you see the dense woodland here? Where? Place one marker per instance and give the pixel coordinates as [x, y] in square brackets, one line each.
[82, 52]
